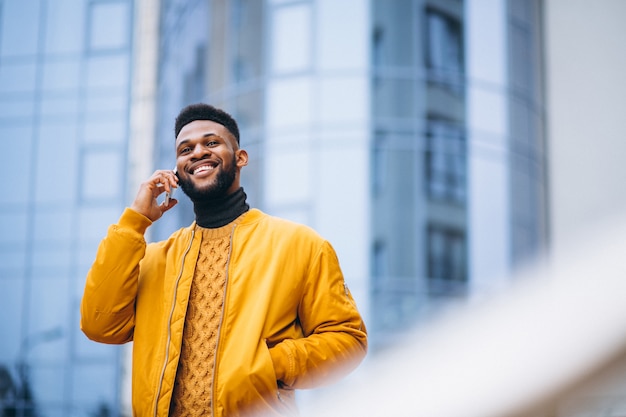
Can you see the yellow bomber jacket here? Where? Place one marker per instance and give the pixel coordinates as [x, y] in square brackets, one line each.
[288, 319]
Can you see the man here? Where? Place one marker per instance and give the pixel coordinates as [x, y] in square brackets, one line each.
[231, 314]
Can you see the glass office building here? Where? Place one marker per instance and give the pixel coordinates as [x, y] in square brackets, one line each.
[409, 133]
[65, 71]
[372, 132]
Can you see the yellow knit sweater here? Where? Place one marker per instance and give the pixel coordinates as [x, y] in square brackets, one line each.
[192, 388]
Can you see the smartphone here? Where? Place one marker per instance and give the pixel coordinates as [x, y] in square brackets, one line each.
[168, 194]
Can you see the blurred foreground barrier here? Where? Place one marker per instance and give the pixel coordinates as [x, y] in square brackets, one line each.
[552, 345]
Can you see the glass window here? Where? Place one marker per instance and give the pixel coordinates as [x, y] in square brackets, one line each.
[16, 107]
[54, 107]
[379, 163]
[11, 302]
[65, 27]
[341, 28]
[396, 97]
[12, 256]
[109, 25]
[17, 78]
[106, 72]
[521, 55]
[16, 140]
[194, 78]
[101, 175]
[52, 225]
[446, 162]
[444, 47]
[343, 100]
[446, 254]
[380, 260]
[289, 103]
[93, 223]
[293, 188]
[61, 75]
[48, 386]
[55, 167]
[104, 129]
[19, 28]
[95, 385]
[49, 307]
[291, 38]
[114, 102]
[14, 227]
[245, 31]
[51, 260]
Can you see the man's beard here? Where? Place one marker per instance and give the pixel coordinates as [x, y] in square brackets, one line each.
[219, 188]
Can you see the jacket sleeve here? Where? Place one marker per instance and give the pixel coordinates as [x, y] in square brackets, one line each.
[335, 339]
[108, 303]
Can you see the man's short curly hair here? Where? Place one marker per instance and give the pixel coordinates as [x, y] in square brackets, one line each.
[202, 111]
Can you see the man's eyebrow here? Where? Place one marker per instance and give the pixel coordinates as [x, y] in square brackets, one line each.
[206, 135]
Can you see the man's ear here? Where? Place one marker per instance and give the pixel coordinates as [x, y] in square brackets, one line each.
[242, 157]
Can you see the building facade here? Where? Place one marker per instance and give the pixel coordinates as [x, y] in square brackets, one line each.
[65, 71]
[411, 138]
[416, 152]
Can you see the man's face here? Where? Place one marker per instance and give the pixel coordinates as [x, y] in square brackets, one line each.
[208, 160]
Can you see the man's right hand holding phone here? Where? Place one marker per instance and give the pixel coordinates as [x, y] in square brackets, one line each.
[146, 200]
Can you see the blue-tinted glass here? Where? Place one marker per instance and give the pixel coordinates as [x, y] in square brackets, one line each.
[12, 259]
[15, 151]
[19, 28]
[61, 106]
[10, 306]
[109, 28]
[106, 72]
[291, 38]
[48, 385]
[61, 75]
[101, 129]
[94, 384]
[52, 225]
[13, 227]
[101, 175]
[17, 77]
[65, 27]
[94, 222]
[55, 167]
[110, 102]
[12, 107]
[51, 260]
[48, 318]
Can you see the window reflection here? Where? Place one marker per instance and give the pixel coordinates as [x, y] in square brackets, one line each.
[446, 258]
[109, 28]
[444, 48]
[291, 38]
[445, 162]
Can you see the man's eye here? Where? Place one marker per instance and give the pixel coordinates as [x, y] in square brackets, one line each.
[211, 143]
[184, 150]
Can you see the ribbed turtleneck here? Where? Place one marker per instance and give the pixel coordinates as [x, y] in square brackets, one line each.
[221, 211]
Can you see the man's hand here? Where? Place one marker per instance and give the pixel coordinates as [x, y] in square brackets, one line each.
[146, 201]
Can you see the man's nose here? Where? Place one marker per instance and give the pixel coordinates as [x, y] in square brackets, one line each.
[200, 150]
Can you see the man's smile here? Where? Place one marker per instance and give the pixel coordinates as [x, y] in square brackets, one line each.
[203, 168]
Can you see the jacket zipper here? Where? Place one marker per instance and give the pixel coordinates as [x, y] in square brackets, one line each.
[219, 327]
[169, 324]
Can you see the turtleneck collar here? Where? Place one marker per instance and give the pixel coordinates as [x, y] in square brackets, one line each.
[221, 211]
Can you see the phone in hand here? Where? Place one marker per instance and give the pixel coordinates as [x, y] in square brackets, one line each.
[168, 194]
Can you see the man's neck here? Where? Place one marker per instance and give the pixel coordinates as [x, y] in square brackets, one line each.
[220, 211]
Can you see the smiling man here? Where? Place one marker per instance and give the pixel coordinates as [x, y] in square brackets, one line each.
[229, 315]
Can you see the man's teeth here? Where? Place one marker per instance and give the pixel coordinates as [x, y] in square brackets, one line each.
[202, 169]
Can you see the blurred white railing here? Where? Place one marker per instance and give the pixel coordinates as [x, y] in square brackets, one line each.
[554, 344]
